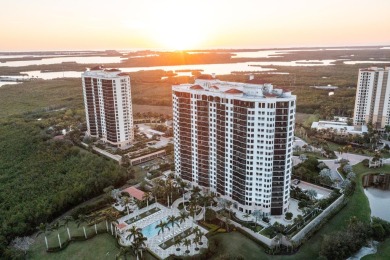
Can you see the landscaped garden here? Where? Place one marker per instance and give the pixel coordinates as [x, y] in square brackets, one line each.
[142, 215]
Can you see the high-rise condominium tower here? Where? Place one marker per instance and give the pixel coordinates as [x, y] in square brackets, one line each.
[108, 108]
[236, 139]
[372, 103]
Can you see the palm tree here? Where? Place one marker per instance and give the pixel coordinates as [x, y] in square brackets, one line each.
[213, 195]
[256, 214]
[246, 216]
[192, 208]
[81, 219]
[312, 194]
[56, 226]
[123, 251]
[126, 200]
[195, 191]
[177, 243]
[110, 216]
[161, 226]
[182, 217]
[139, 244]
[200, 234]
[278, 238]
[42, 229]
[94, 218]
[134, 233]
[172, 221]
[66, 221]
[147, 196]
[187, 243]
[196, 240]
[205, 200]
[169, 187]
[183, 185]
[156, 190]
[228, 205]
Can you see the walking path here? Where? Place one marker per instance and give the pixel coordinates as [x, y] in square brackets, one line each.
[333, 163]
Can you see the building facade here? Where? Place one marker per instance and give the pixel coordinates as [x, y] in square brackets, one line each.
[108, 107]
[372, 103]
[236, 139]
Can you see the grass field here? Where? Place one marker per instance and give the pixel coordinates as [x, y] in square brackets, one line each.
[102, 246]
[234, 245]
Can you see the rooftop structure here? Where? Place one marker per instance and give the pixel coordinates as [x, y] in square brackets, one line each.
[341, 128]
[236, 139]
[108, 107]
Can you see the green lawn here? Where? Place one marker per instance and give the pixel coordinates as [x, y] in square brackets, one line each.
[38, 249]
[102, 246]
[383, 252]
[234, 245]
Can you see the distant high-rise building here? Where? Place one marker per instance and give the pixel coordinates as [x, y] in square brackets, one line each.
[372, 103]
[108, 107]
[236, 139]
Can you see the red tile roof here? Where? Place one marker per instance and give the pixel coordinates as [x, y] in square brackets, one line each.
[134, 192]
[121, 225]
[233, 91]
[100, 67]
[205, 76]
[214, 87]
[270, 95]
[198, 87]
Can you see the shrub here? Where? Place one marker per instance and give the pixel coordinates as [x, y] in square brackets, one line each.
[365, 162]
[288, 215]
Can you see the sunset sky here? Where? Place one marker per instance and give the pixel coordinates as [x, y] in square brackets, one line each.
[185, 24]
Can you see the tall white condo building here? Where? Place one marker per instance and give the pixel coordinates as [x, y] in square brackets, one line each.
[236, 139]
[108, 107]
[372, 103]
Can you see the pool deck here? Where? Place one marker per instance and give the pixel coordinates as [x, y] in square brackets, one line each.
[154, 242]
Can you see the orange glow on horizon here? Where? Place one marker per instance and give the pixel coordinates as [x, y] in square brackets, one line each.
[188, 24]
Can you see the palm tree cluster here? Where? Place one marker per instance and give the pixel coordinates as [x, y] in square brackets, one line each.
[137, 242]
[171, 222]
[167, 191]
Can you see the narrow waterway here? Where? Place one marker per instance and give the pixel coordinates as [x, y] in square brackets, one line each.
[379, 202]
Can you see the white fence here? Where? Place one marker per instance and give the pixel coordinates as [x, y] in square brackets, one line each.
[312, 224]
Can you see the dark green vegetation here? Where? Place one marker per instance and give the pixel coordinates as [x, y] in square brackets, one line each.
[41, 177]
[347, 237]
[41, 95]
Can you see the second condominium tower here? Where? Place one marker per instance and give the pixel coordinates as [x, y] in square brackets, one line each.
[108, 107]
[236, 139]
[372, 103]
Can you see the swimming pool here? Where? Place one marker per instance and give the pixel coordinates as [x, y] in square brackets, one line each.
[151, 230]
